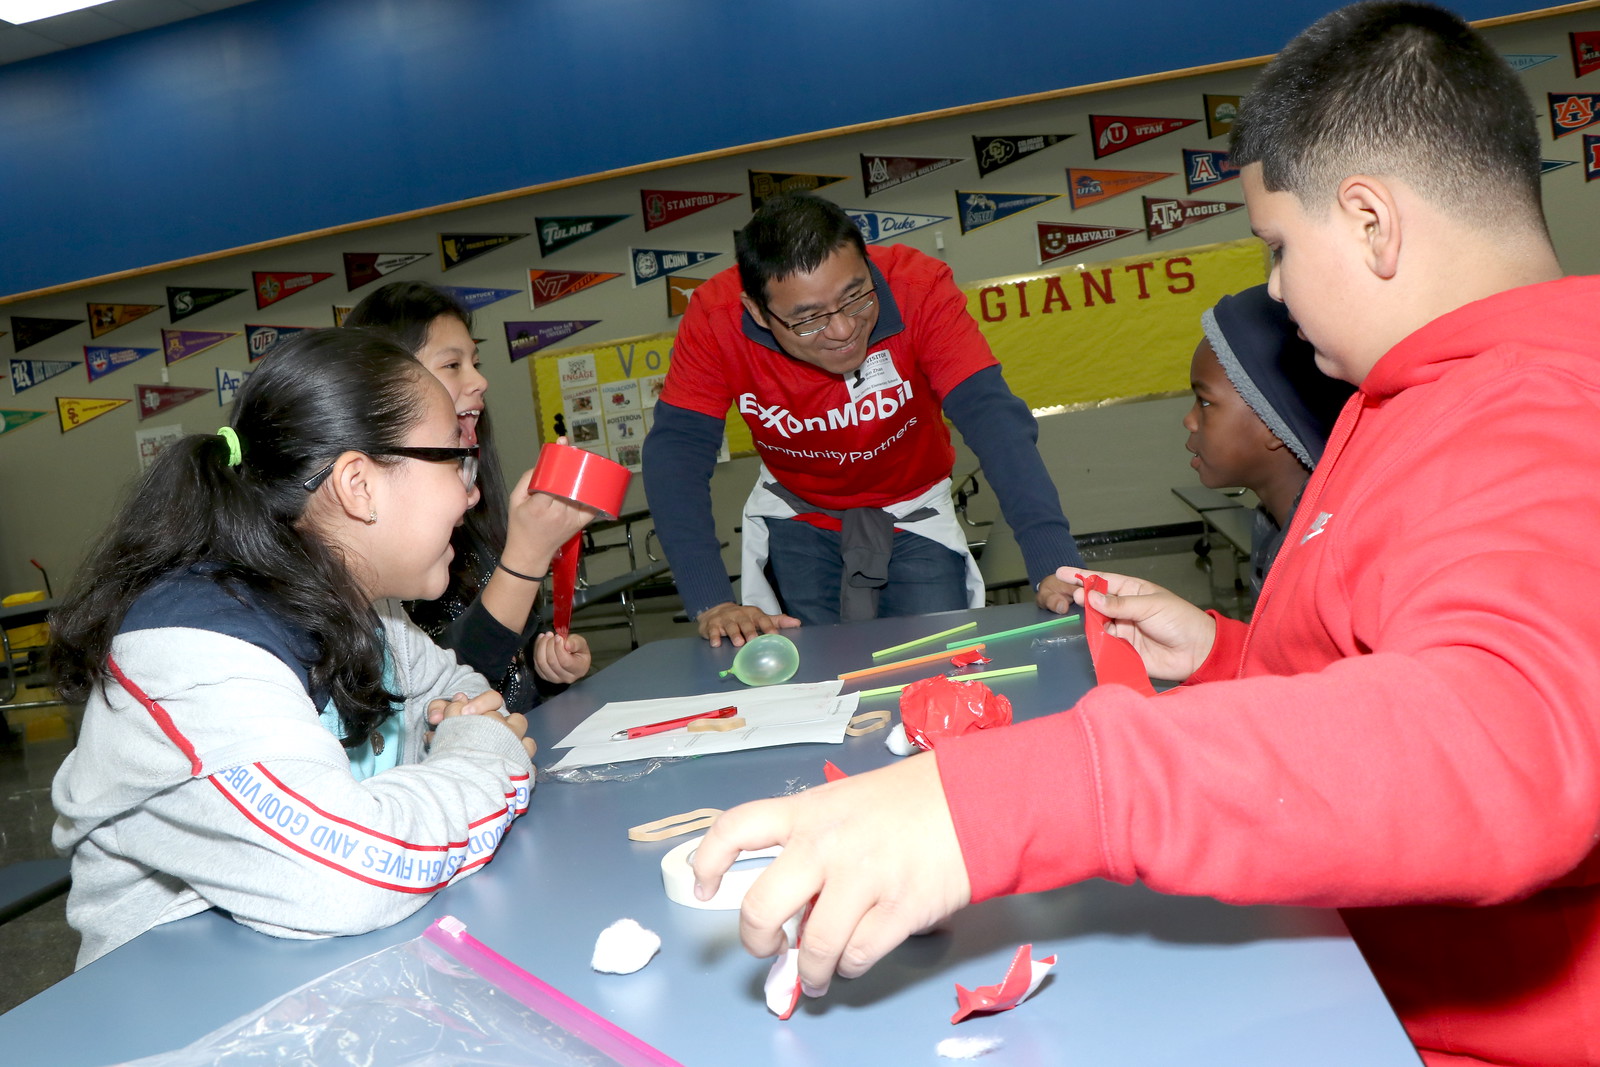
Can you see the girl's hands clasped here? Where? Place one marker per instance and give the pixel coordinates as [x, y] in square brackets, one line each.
[487, 703]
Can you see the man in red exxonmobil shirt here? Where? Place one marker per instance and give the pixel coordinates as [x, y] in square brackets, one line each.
[1409, 728]
[842, 361]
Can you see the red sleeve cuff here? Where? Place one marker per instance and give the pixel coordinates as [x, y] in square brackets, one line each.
[1227, 652]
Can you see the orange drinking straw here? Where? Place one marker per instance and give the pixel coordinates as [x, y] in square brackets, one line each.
[867, 672]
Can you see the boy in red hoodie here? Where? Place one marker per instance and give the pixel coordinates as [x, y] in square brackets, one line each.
[1407, 730]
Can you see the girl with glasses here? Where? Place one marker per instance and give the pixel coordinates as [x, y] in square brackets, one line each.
[503, 549]
[264, 730]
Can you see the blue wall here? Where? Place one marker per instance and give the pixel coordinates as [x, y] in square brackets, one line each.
[272, 119]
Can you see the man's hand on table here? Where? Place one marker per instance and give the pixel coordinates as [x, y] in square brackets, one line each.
[739, 623]
[878, 851]
[1055, 595]
[1172, 636]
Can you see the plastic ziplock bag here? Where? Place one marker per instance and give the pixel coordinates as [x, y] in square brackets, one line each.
[442, 999]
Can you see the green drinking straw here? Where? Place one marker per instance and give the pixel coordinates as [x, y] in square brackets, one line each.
[1027, 668]
[1018, 631]
[925, 640]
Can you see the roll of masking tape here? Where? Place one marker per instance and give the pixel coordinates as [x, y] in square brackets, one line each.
[581, 477]
[677, 877]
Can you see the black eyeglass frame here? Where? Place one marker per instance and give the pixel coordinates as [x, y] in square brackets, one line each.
[870, 296]
[432, 455]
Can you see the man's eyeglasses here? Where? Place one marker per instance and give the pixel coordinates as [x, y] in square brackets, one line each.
[466, 457]
[817, 323]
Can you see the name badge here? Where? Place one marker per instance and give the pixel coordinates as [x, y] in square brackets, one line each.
[876, 372]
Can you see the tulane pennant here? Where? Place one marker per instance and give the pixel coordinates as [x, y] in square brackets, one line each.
[558, 231]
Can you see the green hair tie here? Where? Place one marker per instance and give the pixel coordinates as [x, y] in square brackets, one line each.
[235, 453]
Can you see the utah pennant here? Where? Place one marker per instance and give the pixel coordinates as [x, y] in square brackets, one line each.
[74, 411]
[885, 172]
[1205, 167]
[363, 267]
[274, 285]
[548, 286]
[103, 318]
[100, 361]
[1116, 133]
[1085, 187]
[992, 153]
[1058, 240]
[662, 206]
[1569, 113]
[766, 184]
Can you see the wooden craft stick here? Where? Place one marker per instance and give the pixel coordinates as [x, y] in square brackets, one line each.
[925, 640]
[673, 825]
[1023, 629]
[867, 672]
[715, 726]
[1027, 668]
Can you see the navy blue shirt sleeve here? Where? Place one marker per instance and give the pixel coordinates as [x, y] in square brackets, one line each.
[680, 455]
[1004, 435]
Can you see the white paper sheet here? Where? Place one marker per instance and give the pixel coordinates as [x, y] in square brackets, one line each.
[812, 712]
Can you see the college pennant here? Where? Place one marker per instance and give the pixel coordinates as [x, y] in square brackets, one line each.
[679, 290]
[275, 285]
[74, 411]
[1548, 165]
[340, 312]
[992, 153]
[14, 420]
[458, 248]
[526, 338]
[1205, 167]
[976, 210]
[766, 184]
[260, 340]
[885, 172]
[559, 231]
[1163, 216]
[363, 267]
[878, 226]
[652, 263]
[548, 286]
[99, 361]
[1522, 61]
[1591, 157]
[1585, 52]
[1569, 113]
[189, 300]
[662, 206]
[473, 298]
[27, 373]
[1116, 133]
[228, 383]
[27, 331]
[181, 344]
[1085, 187]
[154, 399]
[103, 318]
[1058, 240]
[1220, 113]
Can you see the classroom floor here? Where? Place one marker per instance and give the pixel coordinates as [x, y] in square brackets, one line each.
[38, 949]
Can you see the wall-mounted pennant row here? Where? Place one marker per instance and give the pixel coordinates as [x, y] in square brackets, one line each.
[458, 248]
[766, 184]
[662, 206]
[1057, 240]
[190, 300]
[181, 344]
[1571, 112]
[27, 373]
[992, 153]
[1163, 216]
[1205, 167]
[155, 399]
[976, 210]
[1087, 186]
[99, 361]
[879, 173]
[548, 286]
[272, 286]
[28, 331]
[74, 411]
[526, 338]
[1117, 133]
[363, 267]
[558, 231]
[652, 263]
[103, 318]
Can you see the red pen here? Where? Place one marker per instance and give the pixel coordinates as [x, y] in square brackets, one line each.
[671, 724]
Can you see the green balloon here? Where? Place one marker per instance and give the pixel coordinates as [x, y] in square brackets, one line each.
[766, 660]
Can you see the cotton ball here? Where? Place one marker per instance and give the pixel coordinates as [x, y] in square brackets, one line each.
[897, 741]
[624, 947]
[967, 1048]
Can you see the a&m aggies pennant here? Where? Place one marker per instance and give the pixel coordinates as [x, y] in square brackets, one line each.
[189, 300]
[1060, 239]
[154, 399]
[652, 263]
[181, 344]
[74, 411]
[363, 267]
[976, 210]
[526, 338]
[1164, 216]
[1085, 187]
[548, 286]
[662, 206]
[766, 184]
[878, 226]
[275, 285]
[100, 361]
[260, 340]
[103, 318]
[1585, 52]
[1220, 113]
[995, 152]
[27, 332]
[885, 172]
[27, 373]
[458, 248]
[1571, 112]
[1116, 133]
[1205, 167]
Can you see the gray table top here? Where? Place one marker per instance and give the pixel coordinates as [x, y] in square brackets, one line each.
[1141, 978]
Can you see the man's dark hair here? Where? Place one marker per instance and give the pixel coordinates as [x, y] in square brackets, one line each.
[1395, 89]
[791, 234]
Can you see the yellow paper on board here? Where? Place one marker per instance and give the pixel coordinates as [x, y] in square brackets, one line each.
[1121, 328]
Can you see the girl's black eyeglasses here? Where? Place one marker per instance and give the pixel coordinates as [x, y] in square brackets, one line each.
[466, 457]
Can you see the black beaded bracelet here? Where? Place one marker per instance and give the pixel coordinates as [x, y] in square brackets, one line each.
[524, 577]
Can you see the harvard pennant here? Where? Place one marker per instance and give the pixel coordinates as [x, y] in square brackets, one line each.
[1163, 216]
[548, 286]
[363, 267]
[1205, 167]
[976, 210]
[1058, 240]
[154, 399]
[74, 411]
[878, 226]
[652, 263]
[272, 286]
[1116, 133]
[1571, 112]
[766, 184]
[992, 153]
[28, 331]
[103, 318]
[557, 232]
[1085, 187]
[662, 206]
[1585, 52]
[190, 300]
[526, 338]
[100, 361]
[885, 172]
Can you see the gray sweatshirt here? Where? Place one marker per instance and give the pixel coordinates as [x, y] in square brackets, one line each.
[202, 778]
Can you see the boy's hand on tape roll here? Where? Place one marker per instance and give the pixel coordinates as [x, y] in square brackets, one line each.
[877, 850]
[1171, 635]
